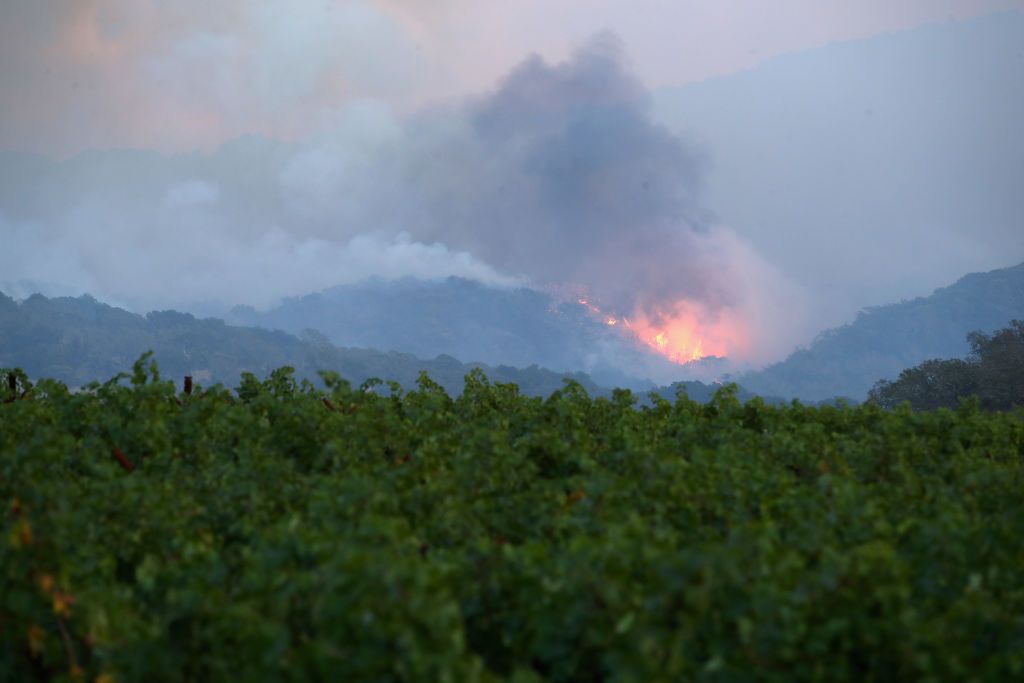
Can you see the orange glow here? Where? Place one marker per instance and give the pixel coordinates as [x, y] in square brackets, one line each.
[682, 332]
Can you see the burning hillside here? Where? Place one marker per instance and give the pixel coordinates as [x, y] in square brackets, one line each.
[682, 332]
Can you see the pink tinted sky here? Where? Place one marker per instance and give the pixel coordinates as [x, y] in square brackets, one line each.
[190, 74]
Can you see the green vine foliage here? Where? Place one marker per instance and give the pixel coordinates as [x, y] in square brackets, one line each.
[283, 532]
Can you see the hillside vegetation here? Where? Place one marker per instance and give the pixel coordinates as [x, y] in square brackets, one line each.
[469, 321]
[884, 341]
[290, 534]
[994, 373]
[77, 340]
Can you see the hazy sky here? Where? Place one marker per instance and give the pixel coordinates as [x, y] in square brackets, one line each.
[80, 74]
[215, 153]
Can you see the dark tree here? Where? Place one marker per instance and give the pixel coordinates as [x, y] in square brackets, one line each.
[994, 372]
[1000, 366]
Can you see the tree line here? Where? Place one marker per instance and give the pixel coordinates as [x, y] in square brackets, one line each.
[993, 372]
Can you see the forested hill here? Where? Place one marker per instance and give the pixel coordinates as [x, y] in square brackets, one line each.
[459, 317]
[79, 340]
[885, 340]
[470, 321]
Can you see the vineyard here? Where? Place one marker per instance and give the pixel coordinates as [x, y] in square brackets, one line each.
[284, 532]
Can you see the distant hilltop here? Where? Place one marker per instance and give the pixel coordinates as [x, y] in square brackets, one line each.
[885, 340]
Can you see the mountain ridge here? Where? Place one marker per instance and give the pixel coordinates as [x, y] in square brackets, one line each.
[78, 340]
[882, 341]
[473, 322]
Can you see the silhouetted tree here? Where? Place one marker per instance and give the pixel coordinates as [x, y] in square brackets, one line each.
[1000, 369]
[994, 372]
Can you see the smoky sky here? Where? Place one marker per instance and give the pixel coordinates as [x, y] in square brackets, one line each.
[786, 197]
[557, 177]
[175, 76]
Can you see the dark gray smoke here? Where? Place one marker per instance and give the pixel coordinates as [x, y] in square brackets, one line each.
[559, 178]
[565, 177]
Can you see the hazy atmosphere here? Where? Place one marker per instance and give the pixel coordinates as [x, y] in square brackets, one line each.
[538, 341]
[725, 181]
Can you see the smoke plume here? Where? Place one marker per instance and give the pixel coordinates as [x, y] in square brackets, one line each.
[557, 178]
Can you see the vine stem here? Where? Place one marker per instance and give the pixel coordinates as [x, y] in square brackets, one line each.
[68, 645]
[122, 459]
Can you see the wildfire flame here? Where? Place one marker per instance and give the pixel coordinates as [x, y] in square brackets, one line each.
[609, 320]
[682, 332]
